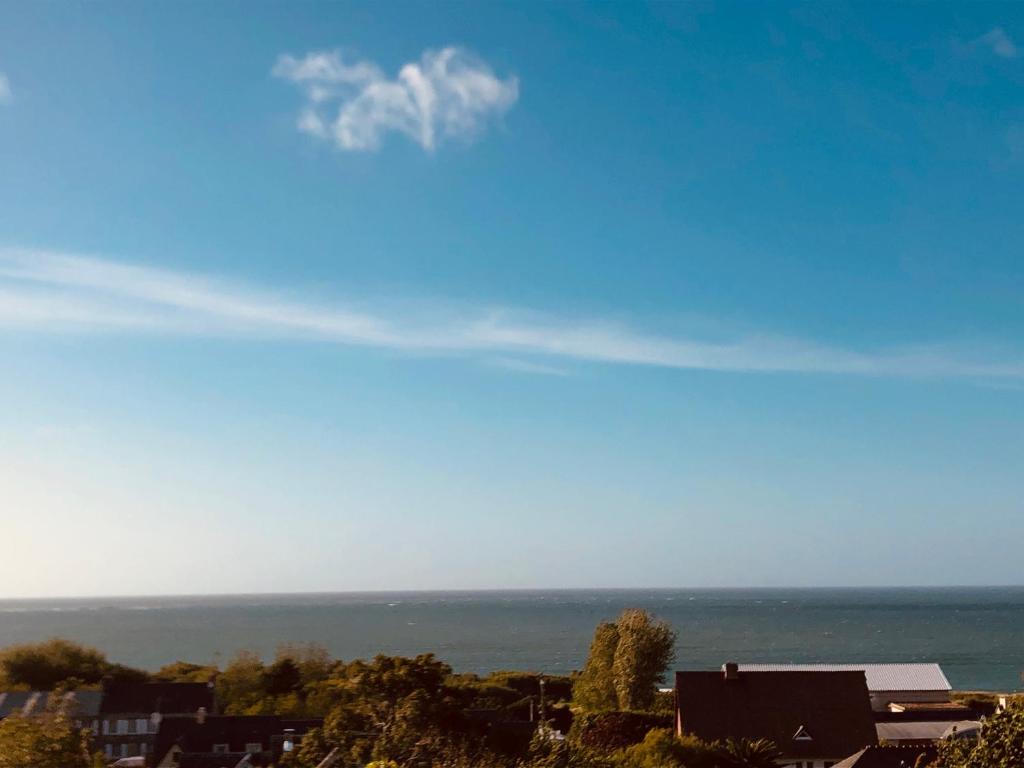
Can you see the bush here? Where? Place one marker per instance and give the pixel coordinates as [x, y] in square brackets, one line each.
[610, 731]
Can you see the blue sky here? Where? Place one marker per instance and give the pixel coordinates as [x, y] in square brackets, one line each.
[510, 295]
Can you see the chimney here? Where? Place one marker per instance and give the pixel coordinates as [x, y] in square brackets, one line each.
[732, 670]
[201, 715]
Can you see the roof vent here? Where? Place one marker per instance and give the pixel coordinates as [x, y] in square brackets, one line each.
[802, 735]
[732, 670]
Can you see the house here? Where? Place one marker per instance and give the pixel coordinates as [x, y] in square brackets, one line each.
[890, 757]
[131, 713]
[888, 684]
[216, 741]
[83, 706]
[814, 718]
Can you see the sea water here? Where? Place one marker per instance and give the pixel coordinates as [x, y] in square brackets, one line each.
[976, 634]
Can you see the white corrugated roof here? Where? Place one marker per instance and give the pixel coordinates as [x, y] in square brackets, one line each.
[881, 677]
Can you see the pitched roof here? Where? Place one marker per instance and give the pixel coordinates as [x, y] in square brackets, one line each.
[234, 730]
[889, 757]
[82, 703]
[830, 712]
[167, 698]
[927, 730]
[880, 677]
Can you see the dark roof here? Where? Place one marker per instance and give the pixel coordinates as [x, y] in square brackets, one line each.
[83, 704]
[166, 698]
[833, 709]
[236, 731]
[889, 757]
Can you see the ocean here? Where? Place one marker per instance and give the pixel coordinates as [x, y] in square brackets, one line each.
[976, 634]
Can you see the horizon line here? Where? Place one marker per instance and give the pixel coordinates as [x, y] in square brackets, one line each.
[492, 590]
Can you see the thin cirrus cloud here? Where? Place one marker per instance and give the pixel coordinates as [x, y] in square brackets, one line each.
[999, 42]
[447, 94]
[65, 293]
[6, 94]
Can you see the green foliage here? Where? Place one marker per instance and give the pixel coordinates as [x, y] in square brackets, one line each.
[661, 748]
[545, 753]
[594, 689]
[48, 665]
[628, 658]
[752, 753]
[185, 672]
[610, 731]
[645, 649]
[240, 686]
[1000, 745]
[293, 685]
[48, 740]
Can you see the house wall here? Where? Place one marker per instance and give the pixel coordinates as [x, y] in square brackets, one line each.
[125, 734]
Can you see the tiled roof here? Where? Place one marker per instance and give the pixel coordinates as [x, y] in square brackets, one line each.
[166, 698]
[889, 757]
[880, 677]
[806, 714]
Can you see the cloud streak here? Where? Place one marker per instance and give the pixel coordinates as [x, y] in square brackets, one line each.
[6, 94]
[1000, 43]
[64, 293]
[447, 94]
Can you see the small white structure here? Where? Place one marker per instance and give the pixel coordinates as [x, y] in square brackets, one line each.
[887, 683]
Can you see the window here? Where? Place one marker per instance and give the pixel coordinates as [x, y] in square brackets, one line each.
[95, 727]
[108, 749]
[141, 725]
[106, 728]
[122, 727]
[131, 726]
[221, 748]
[253, 747]
[125, 750]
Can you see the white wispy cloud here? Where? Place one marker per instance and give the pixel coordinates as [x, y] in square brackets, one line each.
[999, 42]
[6, 94]
[448, 93]
[62, 293]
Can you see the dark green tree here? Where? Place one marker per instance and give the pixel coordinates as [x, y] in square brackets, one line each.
[48, 665]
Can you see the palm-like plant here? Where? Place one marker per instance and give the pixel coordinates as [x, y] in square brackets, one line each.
[752, 753]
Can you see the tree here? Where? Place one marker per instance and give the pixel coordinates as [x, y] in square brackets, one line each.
[240, 686]
[185, 672]
[47, 740]
[1000, 744]
[594, 689]
[628, 658]
[45, 666]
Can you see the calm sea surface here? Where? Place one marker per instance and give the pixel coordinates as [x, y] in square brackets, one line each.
[977, 634]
